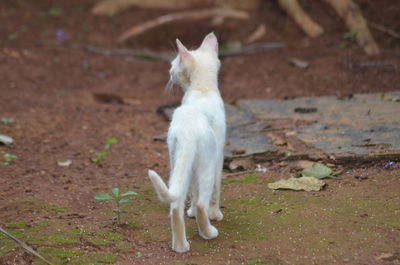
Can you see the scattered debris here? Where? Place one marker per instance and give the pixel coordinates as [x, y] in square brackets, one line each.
[317, 170]
[360, 177]
[391, 98]
[389, 257]
[87, 69]
[277, 211]
[303, 183]
[299, 63]
[238, 151]
[161, 137]
[241, 164]
[257, 34]
[391, 165]
[305, 110]
[5, 139]
[360, 66]
[260, 168]
[61, 34]
[303, 164]
[64, 163]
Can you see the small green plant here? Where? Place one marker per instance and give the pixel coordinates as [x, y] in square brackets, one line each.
[348, 38]
[7, 120]
[54, 11]
[12, 36]
[100, 156]
[119, 199]
[9, 159]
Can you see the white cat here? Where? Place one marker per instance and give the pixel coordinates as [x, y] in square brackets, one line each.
[196, 138]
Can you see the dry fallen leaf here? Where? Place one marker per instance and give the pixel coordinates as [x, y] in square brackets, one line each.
[303, 183]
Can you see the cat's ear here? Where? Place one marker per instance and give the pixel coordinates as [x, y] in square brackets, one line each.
[184, 54]
[210, 43]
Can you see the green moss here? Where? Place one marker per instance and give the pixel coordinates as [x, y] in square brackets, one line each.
[6, 245]
[62, 239]
[103, 238]
[134, 224]
[101, 257]
[262, 260]
[61, 256]
[58, 209]
[17, 224]
[252, 178]
[60, 252]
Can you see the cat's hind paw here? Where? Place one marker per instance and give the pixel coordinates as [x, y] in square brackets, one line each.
[215, 214]
[191, 212]
[181, 248]
[211, 233]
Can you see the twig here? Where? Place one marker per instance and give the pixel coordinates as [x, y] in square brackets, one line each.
[239, 173]
[106, 7]
[294, 10]
[144, 55]
[192, 15]
[382, 28]
[25, 246]
[250, 48]
[147, 55]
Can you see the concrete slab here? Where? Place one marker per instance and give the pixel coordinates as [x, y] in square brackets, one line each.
[361, 127]
[365, 126]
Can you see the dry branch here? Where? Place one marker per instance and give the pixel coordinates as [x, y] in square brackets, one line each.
[191, 15]
[114, 6]
[384, 29]
[293, 8]
[257, 34]
[355, 21]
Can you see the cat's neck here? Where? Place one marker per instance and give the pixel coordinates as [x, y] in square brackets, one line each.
[203, 80]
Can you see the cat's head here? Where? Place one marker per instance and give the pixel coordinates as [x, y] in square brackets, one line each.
[204, 60]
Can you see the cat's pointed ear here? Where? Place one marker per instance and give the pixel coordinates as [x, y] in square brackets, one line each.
[210, 43]
[184, 54]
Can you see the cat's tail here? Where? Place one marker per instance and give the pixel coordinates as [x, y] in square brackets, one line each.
[161, 189]
[180, 176]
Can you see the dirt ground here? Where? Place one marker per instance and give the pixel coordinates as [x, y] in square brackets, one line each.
[49, 91]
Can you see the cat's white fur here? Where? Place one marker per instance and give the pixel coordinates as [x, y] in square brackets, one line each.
[196, 138]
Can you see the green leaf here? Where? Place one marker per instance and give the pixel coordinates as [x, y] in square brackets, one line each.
[138, 255]
[12, 36]
[103, 197]
[126, 200]
[350, 36]
[317, 170]
[55, 11]
[115, 191]
[128, 193]
[117, 210]
[114, 217]
[99, 157]
[110, 141]
[124, 212]
[7, 120]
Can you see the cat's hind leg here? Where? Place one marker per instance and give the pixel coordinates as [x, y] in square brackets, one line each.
[215, 211]
[206, 230]
[179, 241]
[191, 212]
